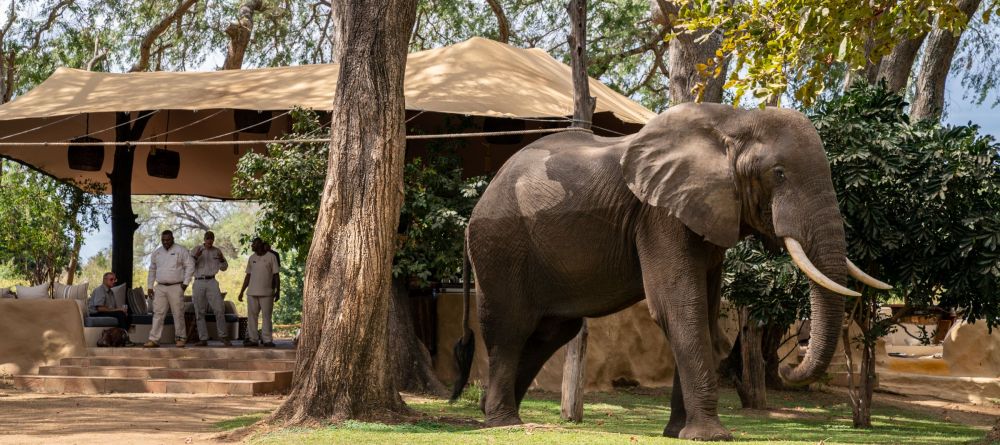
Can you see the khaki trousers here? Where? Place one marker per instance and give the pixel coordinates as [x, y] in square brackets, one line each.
[164, 296]
[206, 293]
[257, 305]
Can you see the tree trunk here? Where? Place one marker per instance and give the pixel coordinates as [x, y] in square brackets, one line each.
[938, 54]
[343, 368]
[751, 387]
[413, 371]
[685, 53]
[863, 412]
[571, 404]
[146, 45]
[774, 334]
[239, 34]
[123, 219]
[895, 68]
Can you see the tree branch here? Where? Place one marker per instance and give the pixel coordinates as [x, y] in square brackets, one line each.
[502, 23]
[145, 48]
[239, 34]
[53, 15]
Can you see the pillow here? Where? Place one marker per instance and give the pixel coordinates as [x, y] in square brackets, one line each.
[119, 293]
[60, 291]
[78, 291]
[137, 301]
[84, 310]
[31, 293]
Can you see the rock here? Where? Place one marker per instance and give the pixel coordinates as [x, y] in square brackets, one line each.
[971, 351]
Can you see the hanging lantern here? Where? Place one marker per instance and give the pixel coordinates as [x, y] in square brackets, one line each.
[163, 163]
[252, 121]
[493, 124]
[88, 158]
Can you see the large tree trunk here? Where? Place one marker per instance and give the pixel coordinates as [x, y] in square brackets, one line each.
[685, 53]
[751, 387]
[938, 54]
[239, 33]
[123, 219]
[343, 368]
[413, 371]
[895, 68]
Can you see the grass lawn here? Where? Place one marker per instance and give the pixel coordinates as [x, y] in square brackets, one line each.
[636, 417]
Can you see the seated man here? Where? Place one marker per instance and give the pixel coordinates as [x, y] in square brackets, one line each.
[103, 304]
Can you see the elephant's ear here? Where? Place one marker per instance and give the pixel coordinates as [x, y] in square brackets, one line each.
[679, 161]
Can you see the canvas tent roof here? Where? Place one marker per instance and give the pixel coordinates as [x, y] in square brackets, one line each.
[478, 77]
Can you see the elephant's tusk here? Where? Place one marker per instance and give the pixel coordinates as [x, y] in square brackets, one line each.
[861, 276]
[802, 261]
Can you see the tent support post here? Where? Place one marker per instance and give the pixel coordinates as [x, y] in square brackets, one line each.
[123, 219]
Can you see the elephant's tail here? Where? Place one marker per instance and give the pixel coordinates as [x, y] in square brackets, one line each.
[465, 348]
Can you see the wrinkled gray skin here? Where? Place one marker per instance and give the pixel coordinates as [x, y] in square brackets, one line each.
[576, 225]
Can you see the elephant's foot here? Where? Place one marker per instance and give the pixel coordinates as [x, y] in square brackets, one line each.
[673, 429]
[503, 420]
[704, 430]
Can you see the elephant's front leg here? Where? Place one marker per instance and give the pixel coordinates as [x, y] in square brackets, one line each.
[675, 270]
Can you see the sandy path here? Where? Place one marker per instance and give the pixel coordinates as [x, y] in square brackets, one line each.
[119, 419]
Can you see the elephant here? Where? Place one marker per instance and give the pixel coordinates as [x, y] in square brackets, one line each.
[577, 225]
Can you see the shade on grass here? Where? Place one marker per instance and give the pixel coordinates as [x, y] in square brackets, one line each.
[627, 418]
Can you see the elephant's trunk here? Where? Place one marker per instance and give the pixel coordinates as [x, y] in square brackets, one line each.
[825, 247]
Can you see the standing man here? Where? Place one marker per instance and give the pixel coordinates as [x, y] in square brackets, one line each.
[208, 261]
[262, 280]
[171, 267]
[103, 304]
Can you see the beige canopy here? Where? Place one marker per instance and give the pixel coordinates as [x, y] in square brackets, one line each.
[478, 78]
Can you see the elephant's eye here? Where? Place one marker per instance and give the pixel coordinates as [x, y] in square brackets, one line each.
[779, 174]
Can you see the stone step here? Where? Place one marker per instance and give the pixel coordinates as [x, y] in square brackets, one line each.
[165, 373]
[191, 363]
[100, 385]
[195, 352]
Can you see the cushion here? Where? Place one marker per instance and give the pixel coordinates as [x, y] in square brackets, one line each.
[35, 292]
[119, 293]
[60, 291]
[79, 291]
[101, 322]
[84, 310]
[137, 301]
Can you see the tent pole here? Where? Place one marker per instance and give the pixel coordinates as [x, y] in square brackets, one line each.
[123, 219]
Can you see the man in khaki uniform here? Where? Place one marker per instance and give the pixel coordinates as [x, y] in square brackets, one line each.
[208, 261]
[171, 267]
[262, 281]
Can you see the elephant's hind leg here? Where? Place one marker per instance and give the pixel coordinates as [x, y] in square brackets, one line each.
[550, 335]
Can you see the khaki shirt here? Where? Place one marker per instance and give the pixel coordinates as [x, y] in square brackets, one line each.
[209, 261]
[261, 269]
[170, 266]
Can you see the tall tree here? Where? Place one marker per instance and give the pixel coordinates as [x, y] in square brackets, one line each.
[696, 74]
[941, 46]
[343, 369]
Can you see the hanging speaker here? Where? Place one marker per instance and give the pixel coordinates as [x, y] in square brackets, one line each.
[163, 163]
[493, 124]
[88, 158]
[252, 121]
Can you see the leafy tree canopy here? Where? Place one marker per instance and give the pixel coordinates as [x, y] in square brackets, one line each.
[774, 43]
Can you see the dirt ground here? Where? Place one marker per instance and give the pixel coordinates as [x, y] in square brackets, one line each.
[29, 418]
[119, 419]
